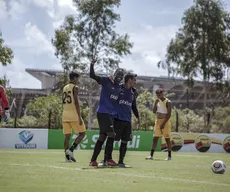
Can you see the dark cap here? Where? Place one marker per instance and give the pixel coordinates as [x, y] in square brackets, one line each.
[130, 76]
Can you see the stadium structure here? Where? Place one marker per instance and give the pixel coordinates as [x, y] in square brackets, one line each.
[181, 98]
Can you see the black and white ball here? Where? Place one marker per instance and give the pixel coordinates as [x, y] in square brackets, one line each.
[218, 167]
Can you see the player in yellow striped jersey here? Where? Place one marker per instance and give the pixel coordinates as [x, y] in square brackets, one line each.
[71, 116]
[162, 108]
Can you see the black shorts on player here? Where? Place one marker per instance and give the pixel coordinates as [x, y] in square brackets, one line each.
[106, 123]
[123, 130]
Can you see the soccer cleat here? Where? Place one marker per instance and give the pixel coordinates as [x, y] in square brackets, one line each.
[123, 165]
[71, 155]
[111, 163]
[93, 163]
[149, 157]
[168, 158]
[68, 161]
[102, 164]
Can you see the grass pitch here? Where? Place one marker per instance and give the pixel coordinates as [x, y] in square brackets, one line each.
[46, 170]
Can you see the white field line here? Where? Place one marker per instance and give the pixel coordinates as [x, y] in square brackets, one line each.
[131, 154]
[118, 173]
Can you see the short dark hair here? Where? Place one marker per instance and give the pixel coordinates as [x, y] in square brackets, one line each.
[159, 90]
[73, 74]
[129, 76]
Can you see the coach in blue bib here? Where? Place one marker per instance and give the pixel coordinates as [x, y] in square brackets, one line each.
[106, 110]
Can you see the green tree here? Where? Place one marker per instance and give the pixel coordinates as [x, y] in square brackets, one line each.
[49, 109]
[189, 121]
[221, 120]
[90, 34]
[201, 46]
[144, 104]
[62, 80]
[6, 53]
[46, 107]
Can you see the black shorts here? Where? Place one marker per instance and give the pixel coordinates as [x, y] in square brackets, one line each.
[105, 122]
[123, 130]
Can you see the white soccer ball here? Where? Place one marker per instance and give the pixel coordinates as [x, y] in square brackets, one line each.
[218, 167]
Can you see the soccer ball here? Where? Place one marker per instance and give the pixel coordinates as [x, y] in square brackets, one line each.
[218, 167]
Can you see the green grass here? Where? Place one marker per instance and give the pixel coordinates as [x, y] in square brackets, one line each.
[45, 170]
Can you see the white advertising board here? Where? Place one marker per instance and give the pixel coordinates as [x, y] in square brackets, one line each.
[15, 138]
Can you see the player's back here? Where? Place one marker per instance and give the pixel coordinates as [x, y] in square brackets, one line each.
[68, 101]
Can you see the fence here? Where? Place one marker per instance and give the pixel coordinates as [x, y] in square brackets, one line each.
[215, 119]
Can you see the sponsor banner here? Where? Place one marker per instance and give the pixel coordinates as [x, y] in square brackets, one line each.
[142, 141]
[23, 138]
[199, 142]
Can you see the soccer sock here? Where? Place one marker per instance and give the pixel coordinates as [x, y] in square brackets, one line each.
[169, 153]
[97, 150]
[73, 147]
[105, 156]
[152, 151]
[123, 149]
[67, 156]
[109, 148]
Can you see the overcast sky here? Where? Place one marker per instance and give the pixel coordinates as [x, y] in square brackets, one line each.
[28, 26]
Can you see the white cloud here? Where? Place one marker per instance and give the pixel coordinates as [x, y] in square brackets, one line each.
[165, 11]
[3, 10]
[16, 9]
[17, 75]
[56, 9]
[12, 9]
[63, 8]
[34, 41]
[150, 45]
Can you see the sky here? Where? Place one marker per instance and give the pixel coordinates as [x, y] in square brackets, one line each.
[28, 27]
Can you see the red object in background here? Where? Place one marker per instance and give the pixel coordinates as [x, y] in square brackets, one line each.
[3, 98]
[227, 145]
[199, 145]
[0, 108]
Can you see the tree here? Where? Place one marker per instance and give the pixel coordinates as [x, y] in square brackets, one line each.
[6, 53]
[88, 35]
[190, 121]
[144, 104]
[221, 120]
[165, 64]
[201, 46]
[46, 109]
